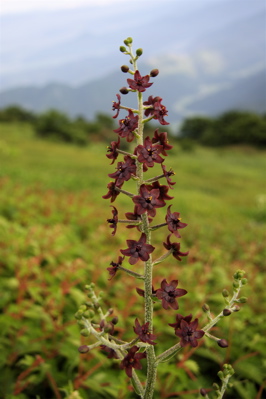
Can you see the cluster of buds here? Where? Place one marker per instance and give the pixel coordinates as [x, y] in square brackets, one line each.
[151, 194]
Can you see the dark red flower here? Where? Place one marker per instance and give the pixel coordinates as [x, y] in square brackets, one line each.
[124, 170]
[113, 150]
[163, 191]
[167, 175]
[132, 361]
[179, 318]
[188, 333]
[133, 216]
[175, 248]
[138, 250]
[140, 83]
[161, 138]
[115, 266]
[157, 110]
[111, 352]
[168, 294]
[149, 153]
[142, 292]
[112, 192]
[127, 126]
[174, 222]
[116, 106]
[143, 333]
[147, 201]
[114, 220]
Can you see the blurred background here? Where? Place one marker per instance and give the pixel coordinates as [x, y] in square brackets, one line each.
[60, 72]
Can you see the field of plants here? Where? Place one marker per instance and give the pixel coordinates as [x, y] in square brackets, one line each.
[54, 239]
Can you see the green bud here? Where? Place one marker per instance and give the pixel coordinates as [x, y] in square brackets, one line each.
[122, 49]
[225, 293]
[129, 40]
[244, 281]
[87, 314]
[220, 375]
[239, 274]
[85, 332]
[82, 308]
[236, 284]
[215, 386]
[205, 308]
[243, 299]
[78, 315]
[87, 287]
[81, 323]
[139, 52]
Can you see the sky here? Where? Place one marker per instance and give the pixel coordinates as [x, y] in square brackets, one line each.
[20, 6]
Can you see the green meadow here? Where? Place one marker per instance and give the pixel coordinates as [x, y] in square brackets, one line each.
[54, 239]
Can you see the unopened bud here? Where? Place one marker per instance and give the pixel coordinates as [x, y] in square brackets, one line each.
[222, 343]
[220, 375]
[205, 308]
[124, 68]
[110, 311]
[243, 299]
[215, 386]
[227, 312]
[139, 52]
[85, 332]
[203, 392]
[114, 320]
[244, 281]
[154, 72]
[225, 293]
[236, 308]
[83, 349]
[122, 49]
[123, 90]
[128, 41]
[78, 315]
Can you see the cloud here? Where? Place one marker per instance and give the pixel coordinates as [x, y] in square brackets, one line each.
[211, 62]
[171, 64]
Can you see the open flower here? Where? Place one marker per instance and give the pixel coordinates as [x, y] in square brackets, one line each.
[148, 153]
[140, 83]
[143, 333]
[168, 294]
[162, 189]
[124, 170]
[138, 250]
[111, 352]
[133, 216]
[188, 333]
[179, 318]
[113, 150]
[174, 222]
[127, 126]
[167, 175]
[156, 109]
[115, 266]
[112, 192]
[116, 106]
[132, 361]
[148, 200]
[161, 138]
[175, 248]
[114, 220]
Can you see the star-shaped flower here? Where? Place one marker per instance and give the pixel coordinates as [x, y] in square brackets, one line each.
[148, 153]
[112, 192]
[138, 250]
[127, 126]
[174, 222]
[143, 333]
[115, 266]
[124, 170]
[148, 200]
[188, 333]
[168, 294]
[175, 248]
[132, 361]
[113, 150]
[161, 138]
[140, 83]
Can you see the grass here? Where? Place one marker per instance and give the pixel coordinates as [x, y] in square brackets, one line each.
[54, 239]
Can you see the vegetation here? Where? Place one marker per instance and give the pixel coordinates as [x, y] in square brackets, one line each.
[54, 239]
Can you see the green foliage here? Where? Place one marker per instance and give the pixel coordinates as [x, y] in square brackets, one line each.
[231, 128]
[54, 239]
[14, 113]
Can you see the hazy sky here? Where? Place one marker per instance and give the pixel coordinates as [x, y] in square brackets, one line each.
[18, 6]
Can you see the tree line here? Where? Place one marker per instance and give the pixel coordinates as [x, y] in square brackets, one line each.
[230, 128]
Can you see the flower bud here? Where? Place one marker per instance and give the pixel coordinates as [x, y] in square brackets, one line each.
[236, 308]
[83, 349]
[244, 281]
[124, 68]
[222, 343]
[220, 375]
[154, 72]
[243, 299]
[128, 41]
[225, 293]
[123, 90]
[114, 320]
[78, 315]
[205, 308]
[203, 392]
[227, 312]
[139, 52]
[215, 386]
[84, 332]
[122, 49]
